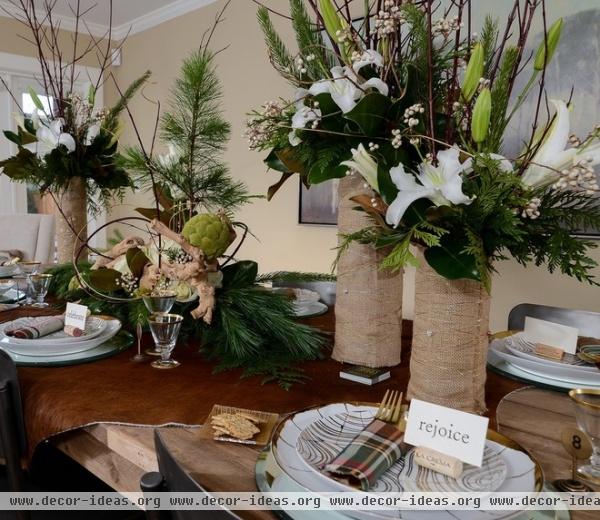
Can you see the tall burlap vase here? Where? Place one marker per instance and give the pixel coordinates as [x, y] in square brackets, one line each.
[450, 341]
[368, 310]
[73, 206]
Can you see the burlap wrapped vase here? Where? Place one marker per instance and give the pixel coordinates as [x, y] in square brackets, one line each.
[450, 341]
[368, 310]
[73, 206]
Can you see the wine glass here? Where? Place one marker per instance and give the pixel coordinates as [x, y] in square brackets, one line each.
[165, 330]
[587, 413]
[27, 269]
[39, 284]
[160, 302]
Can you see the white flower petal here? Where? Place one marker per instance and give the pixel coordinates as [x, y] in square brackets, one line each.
[403, 180]
[369, 57]
[404, 199]
[452, 191]
[557, 137]
[345, 99]
[320, 87]
[365, 165]
[377, 84]
[293, 138]
[67, 141]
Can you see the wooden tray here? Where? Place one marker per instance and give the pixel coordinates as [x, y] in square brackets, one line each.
[267, 424]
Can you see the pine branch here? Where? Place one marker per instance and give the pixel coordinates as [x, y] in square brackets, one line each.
[278, 53]
[112, 120]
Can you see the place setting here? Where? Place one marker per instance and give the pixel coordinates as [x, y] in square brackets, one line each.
[69, 338]
[393, 447]
[547, 353]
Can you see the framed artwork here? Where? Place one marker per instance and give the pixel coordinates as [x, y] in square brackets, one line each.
[319, 204]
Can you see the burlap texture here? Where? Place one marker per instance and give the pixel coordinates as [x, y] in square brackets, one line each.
[73, 204]
[368, 310]
[449, 346]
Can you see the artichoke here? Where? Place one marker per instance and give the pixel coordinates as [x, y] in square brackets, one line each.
[209, 232]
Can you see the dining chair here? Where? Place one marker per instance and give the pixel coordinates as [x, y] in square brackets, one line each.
[13, 440]
[587, 322]
[32, 234]
[172, 477]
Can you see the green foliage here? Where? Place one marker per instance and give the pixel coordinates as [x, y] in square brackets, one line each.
[295, 277]
[253, 328]
[278, 53]
[195, 130]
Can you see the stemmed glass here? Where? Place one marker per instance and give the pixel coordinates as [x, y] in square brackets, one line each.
[165, 331]
[159, 303]
[39, 284]
[587, 413]
[27, 269]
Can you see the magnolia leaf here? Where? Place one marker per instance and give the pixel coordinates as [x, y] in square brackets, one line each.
[286, 156]
[275, 163]
[165, 216]
[378, 213]
[12, 137]
[136, 261]
[239, 275]
[36, 100]
[273, 189]
[26, 137]
[387, 189]
[370, 113]
[317, 174]
[105, 279]
[450, 261]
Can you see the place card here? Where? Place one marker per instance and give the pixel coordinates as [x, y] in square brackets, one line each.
[75, 316]
[551, 334]
[451, 432]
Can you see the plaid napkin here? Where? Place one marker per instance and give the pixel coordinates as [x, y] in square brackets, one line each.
[37, 328]
[370, 454]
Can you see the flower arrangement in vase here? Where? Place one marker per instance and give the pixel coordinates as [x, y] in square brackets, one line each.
[67, 147]
[412, 104]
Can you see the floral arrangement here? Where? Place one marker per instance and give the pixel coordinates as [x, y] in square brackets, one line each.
[68, 137]
[413, 102]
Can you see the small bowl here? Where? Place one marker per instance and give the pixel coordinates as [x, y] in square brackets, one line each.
[6, 285]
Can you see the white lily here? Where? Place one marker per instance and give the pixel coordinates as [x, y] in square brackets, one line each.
[553, 156]
[303, 116]
[92, 133]
[345, 88]
[368, 57]
[363, 163]
[52, 136]
[441, 184]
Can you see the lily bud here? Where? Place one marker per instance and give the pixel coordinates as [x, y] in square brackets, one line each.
[473, 73]
[330, 19]
[550, 43]
[481, 116]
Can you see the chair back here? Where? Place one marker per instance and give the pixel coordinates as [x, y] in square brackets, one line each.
[13, 439]
[31, 234]
[587, 322]
[174, 478]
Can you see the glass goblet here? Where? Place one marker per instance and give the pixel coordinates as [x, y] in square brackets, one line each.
[165, 330]
[587, 413]
[28, 269]
[39, 284]
[159, 303]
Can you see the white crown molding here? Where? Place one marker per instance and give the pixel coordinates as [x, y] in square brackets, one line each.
[137, 25]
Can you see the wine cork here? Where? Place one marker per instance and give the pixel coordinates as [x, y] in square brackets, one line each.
[438, 462]
[73, 331]
[548, 351]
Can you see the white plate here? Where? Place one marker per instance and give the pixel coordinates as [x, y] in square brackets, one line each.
[561, 372]
[520, 347]
[112, 328]
[8, 270]
[520, 469]
[308, 309]
[94, 326]
[11, 296]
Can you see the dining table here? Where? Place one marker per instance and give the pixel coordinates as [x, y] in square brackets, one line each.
[103, 414]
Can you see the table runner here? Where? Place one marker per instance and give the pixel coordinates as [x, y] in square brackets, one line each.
[116, 390]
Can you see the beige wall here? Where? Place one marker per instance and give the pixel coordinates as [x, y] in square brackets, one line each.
[249, 81]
